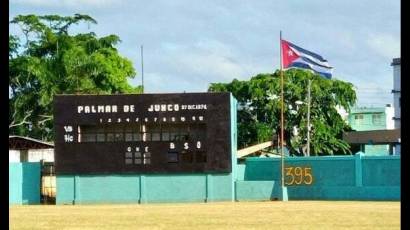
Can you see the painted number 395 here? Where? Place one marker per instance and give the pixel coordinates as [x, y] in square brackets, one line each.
[298, 176]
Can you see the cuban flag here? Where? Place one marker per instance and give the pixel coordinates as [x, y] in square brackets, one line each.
[296, 57]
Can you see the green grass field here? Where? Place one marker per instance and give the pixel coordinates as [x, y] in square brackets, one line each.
[237, 215]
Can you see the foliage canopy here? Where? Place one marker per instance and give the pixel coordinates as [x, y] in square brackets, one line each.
[259, 110]
[47, 60]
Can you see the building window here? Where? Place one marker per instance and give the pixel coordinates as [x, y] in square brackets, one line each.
[358, 118]
[377, 119]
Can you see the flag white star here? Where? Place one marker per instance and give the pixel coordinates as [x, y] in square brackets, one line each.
[290, 53]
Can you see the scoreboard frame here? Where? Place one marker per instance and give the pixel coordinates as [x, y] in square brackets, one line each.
[155, 143]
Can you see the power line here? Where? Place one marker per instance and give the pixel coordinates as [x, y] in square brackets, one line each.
[363, 91]
[370, 88]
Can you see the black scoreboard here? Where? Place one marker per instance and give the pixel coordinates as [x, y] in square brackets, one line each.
[142, 133]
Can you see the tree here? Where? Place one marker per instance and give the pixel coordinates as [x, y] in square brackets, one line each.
[48, 60]
[259, 110]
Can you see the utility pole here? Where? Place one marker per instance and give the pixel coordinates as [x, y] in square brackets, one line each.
[308, 120]
[142, 67]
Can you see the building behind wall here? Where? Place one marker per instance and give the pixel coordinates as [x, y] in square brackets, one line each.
[31, 174]
[26, 149]
[370, 119]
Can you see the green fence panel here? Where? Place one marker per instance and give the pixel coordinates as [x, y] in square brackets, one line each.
[263, 169]
[381, 171]
[24, 183]
[335, 171]
[256, 190]
[356, 177]
[15, 183]
[344, 193]
[107, 189]
[240, 175]
[175, 188]
[65, 189]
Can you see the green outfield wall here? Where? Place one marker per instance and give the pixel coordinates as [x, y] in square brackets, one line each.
[355, 177]
[315, 178]
[24, 183]
[144, 188]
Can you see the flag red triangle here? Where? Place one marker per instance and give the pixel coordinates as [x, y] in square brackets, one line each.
[288, 55]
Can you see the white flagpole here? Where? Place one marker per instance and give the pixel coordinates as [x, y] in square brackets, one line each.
[284, 191]
[281, 116]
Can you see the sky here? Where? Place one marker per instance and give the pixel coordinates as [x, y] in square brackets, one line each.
[189, 44]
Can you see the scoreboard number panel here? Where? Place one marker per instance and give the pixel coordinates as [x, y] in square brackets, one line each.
[143, 133]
